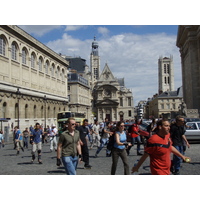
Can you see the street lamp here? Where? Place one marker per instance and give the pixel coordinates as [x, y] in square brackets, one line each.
[18, 93]
[45, 114]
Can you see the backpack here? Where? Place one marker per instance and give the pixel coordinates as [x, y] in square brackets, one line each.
[111, 142]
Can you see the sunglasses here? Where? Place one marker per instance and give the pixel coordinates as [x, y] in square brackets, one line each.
[72, 124]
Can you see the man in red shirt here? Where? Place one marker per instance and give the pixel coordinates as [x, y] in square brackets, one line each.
[159, 148]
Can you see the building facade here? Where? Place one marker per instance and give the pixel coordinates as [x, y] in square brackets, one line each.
[188, 41]
[79, 95]
[111, 99]
[33, 80]
[165, 105]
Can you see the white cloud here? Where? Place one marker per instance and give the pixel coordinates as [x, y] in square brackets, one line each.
[103, 30]
[74, 27]
[134, 57]
[39, 30]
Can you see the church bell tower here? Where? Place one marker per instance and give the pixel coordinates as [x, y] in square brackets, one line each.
[95, 62]
[165, 74]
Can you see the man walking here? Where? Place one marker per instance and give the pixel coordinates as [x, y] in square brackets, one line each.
[159, 148]
[95, 134]
[18, 139]
[36, 141]
[69, 148]
[53, 138]
[178, 138]
[84, 131]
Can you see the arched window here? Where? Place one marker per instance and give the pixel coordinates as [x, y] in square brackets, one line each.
[34, 111]
[2, 46]
[26, 111]
[4, 110]
[54, 112]
[58, 72]
[33, 60]
[14, 51]
[16, 111]
[24, 56]
[63, 74]
[47, 67]
[48, 112]
[42, 112]
[53, 70]
[40, 63]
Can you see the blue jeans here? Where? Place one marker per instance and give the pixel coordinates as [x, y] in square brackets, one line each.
[104, 141]
[138, 140]
[70, 163]
[176, 159]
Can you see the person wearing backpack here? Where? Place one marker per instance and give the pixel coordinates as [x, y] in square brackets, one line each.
[119, 149]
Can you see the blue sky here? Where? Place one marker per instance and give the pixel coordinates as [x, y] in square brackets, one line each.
[131, 51]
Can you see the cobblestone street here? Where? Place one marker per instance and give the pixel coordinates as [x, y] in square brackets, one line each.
[21, 164]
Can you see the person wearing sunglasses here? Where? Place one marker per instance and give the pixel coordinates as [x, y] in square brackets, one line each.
[69, 148]
[119, 149]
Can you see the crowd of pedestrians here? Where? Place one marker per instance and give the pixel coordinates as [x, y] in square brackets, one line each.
[73, 144]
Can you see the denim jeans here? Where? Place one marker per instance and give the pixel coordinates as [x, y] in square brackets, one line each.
[26, 142]
[104, 141]
[176, 159]
[70, 163]
[133, 140]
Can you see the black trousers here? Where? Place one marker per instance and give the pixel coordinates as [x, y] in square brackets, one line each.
[85, 154]
[116, 153]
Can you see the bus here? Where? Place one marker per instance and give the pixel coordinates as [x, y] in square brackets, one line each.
[63, 116]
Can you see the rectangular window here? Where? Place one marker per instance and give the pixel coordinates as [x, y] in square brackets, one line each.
[121, 101]
[129, 101]
[168, 106]
[129, 113]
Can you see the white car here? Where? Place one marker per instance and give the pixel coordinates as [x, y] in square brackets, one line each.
[193, 131]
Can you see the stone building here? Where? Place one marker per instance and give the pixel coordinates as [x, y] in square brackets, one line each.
[167, 102]
[33, 79]
[112, 100]
[188, 41]
[97, 94]
[166, 105]
[165, 74]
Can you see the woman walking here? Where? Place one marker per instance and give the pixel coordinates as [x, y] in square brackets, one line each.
[119, 149]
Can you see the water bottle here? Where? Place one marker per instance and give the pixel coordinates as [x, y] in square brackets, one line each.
[135, 164]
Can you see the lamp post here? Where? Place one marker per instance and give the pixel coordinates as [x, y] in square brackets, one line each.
[45, 114]
[18, 93]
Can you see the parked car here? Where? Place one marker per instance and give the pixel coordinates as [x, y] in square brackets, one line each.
[193, 131]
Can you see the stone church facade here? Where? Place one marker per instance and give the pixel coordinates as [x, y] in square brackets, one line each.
[111, 99]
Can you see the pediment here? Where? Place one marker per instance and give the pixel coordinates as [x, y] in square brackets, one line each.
[107, 102]
[107, 75]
